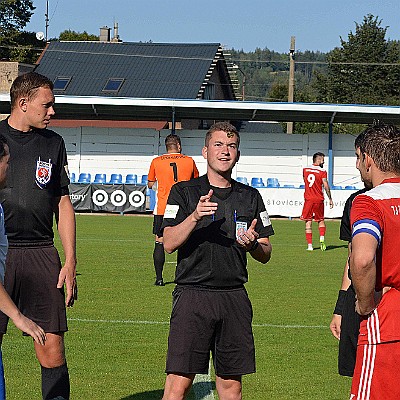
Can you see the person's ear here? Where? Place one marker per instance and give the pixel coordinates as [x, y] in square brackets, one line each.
[367, 161]
[22, 103]
[204, 152]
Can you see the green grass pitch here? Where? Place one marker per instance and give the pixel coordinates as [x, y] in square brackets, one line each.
[118, 329]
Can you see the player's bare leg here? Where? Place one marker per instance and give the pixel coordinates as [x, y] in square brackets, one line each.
[229, 387]
[177, 386]
[55, 377]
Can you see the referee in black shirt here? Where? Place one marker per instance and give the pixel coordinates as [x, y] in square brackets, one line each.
[345, 322]
[214, 222]
[37, 189]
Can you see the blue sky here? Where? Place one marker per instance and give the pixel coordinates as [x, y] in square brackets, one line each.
[238, 24]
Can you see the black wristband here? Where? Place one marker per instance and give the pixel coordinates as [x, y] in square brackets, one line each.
[340, 302]
[254, 245]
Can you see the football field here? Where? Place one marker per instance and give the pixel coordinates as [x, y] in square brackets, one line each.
[118, 328]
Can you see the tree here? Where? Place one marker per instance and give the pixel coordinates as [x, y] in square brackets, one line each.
[14, 15]
[14, 44]
[364, 70]
[77, 36]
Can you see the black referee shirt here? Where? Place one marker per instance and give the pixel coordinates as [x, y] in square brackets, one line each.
[36, 178]
[211, 255]
[345, 227]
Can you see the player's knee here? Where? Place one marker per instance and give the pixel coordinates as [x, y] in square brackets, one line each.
[177, 386]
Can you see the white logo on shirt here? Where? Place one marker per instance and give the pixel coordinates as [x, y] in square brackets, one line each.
[171, 210]
[265, 218]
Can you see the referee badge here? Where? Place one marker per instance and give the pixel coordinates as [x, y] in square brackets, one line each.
[43, 173]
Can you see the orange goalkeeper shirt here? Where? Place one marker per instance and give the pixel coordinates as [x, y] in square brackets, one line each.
[167, 170]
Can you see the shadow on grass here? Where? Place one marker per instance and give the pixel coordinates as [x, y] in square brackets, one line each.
[336, 247]
[202, 390]
[151, 395]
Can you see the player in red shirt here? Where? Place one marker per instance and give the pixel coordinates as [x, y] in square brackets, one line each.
[314, 178]
[166, 170]
[375, 264]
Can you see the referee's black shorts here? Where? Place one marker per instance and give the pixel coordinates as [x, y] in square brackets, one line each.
[31, 281]
[205, 320]
[349, 330]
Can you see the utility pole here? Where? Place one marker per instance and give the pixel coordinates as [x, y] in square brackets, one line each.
[291, 79]
[46, 20]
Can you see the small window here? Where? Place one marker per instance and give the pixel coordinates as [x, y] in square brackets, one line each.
[61, 83]
[113, 85]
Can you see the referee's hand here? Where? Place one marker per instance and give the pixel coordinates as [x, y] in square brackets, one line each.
[205, 207]
[68, 276]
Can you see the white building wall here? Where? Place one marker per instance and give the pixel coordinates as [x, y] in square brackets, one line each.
[268, 155]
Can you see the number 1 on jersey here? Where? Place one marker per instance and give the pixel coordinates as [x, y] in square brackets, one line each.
[175, 170]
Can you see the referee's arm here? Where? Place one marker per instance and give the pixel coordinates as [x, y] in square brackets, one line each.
[67, 230]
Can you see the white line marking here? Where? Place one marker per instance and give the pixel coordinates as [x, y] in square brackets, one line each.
[139, 322]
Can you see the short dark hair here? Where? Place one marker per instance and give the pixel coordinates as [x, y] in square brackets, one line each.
[316, 155]
[382, 143]
[172, 141]
[3, 144]
[27, 85]
[222, 126]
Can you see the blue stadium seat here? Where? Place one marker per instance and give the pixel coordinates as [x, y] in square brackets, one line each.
[273, 182]
[84, 178]
[115, 179]
[100, 178]
[131, 179]
[337, 187]
[242, 179]
[349, 187]
[301, 187]
[144, 180]
[257, 182]
[152, 199]
[72, 177]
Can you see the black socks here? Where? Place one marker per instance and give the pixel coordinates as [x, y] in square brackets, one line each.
[55, 383]
[159, 259]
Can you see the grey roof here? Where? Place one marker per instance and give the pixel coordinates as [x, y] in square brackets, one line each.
[149, 70]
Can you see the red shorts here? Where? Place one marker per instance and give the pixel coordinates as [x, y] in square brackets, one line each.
[377, 371]
[313, 211]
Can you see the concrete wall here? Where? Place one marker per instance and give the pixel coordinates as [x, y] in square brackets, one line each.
[112, 150]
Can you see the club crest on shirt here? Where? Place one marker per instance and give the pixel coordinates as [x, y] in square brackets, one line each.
[43, 173]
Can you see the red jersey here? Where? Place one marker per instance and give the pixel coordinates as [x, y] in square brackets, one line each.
[167, 170]
[313, 176]
[377, 212]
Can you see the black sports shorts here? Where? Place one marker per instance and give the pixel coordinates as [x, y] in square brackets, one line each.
[157, 222]
[204, 320]
[349, 330]
[31, 281]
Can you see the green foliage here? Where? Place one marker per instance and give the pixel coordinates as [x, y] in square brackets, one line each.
[118, 334]
[14, 15]
[16, 45]
[23, 47]
[267, 73]
[357, 72]
[77, 36]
